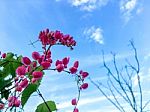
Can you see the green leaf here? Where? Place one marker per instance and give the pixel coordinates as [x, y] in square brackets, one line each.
[9, 55]
[43, 108]
[5, 94]
[31, 88]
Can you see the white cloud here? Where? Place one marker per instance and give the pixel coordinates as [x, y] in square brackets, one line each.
[93, 60]
[128, 8]
[95, 34]
[135, 79]
[88, 5]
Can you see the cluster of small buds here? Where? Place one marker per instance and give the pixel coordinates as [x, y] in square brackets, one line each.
[53, 37]
[13, 101]
[61, 65]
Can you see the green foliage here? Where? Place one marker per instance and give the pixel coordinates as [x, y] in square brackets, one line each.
[8, 72]
[43, 108]
[27, 93]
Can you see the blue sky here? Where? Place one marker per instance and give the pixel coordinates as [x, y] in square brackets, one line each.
[95, 24]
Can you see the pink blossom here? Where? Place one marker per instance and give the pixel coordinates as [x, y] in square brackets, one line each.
[84, 74]
[26, 61]
[4, 55]
[19, 88]
[58, 62]
[45, 64]
[24, 83]
[17, 103]
[21, 70]
[76, 110]
[60, 67]
[73, 70]
[1, 106]
[76, 64]
[74, 101]
[35, 55]
[37, 74]
[65, 61]
[84, 86]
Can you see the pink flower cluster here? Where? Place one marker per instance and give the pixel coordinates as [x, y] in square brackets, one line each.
[13, 101]
[29, 71]
[53, 37]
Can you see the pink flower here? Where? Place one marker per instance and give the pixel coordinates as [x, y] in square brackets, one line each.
[84, 74]
[65, 61]
[73, 70]
[17, 103]
[24, 83]
[58, 62]
[10, 104]
[37, 74]
[58, 34]
[21, 70]
[84, 86]
[76, 64]
[1, 106]
[34, 63]
[76, 110]
[35, 55]
[11, 98]
[13, 101]
[19, 88]
[4, 55]
[74, 101]
[26, 61]
[60, 67]
[45, 64]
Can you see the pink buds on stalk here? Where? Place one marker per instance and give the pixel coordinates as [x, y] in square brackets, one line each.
[13, 101]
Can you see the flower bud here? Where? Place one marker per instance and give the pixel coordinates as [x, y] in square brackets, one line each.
[37, 74]
[26, 61]
[35, 55]
[74, 101]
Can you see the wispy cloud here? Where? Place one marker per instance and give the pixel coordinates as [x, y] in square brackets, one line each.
[94, 33]
[82, 102]
[128, 8]
[93, 60]
[89, 5]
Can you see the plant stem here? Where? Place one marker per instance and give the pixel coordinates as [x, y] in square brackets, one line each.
[38, 91]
